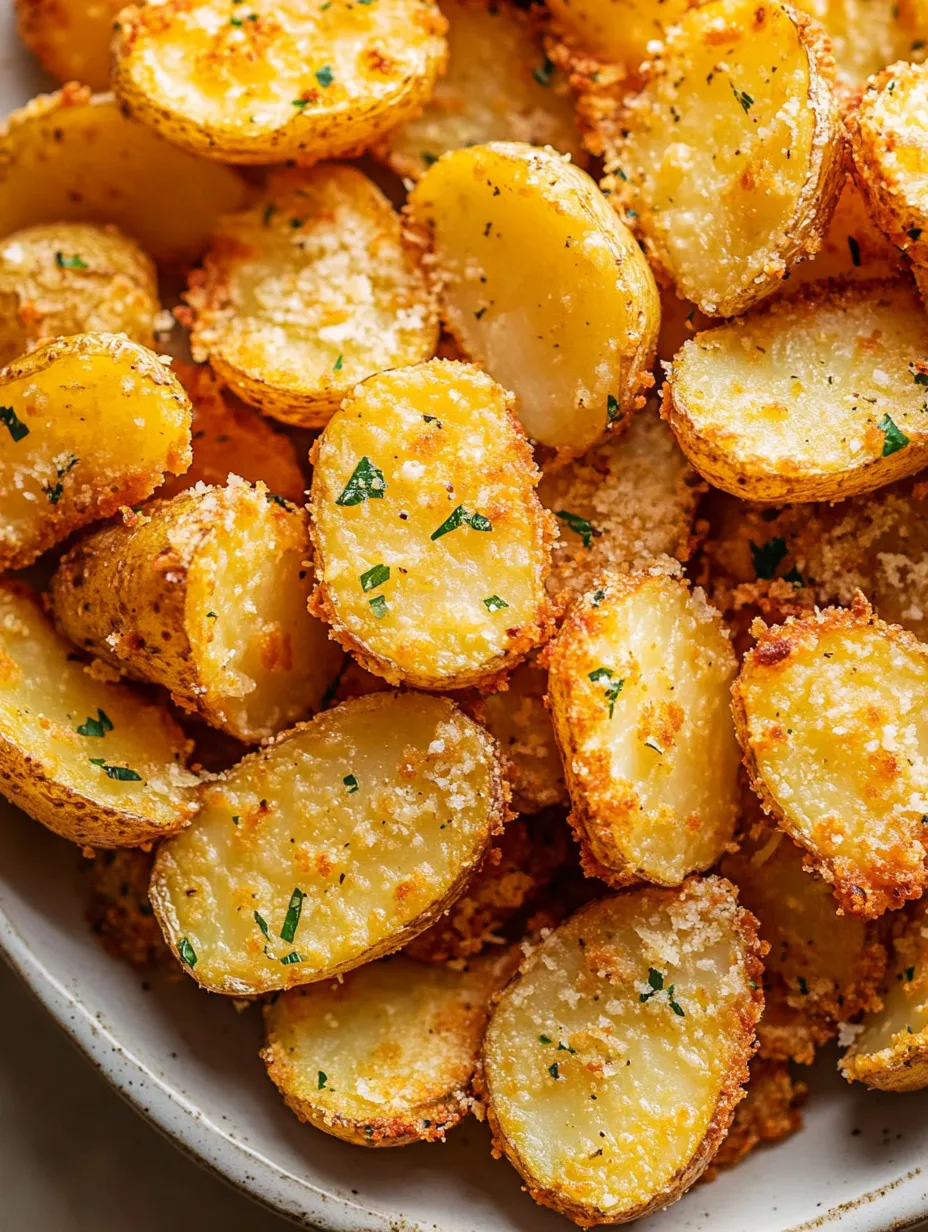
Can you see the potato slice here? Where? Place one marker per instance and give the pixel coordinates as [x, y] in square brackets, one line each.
[769, 1112]
[70, 38]
[519, 719]
[431, 546]
[89, 423]
[119, 911]
[331, 847]
[280, 80]
[831, 717]
[817, 397]
[93, 761]
[639, 688]
[205, 594]
[73, 157]
[310, 291]
[866, 35]
[616, 31]
[612, 1068]
[541, 285]
[696, 159]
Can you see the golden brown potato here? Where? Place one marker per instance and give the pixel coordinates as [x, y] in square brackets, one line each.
[95, 762]
[768, 1113]
[616, 31]
[205, 594]
[73, 157]
[89, 423]
[310, 291]
[119, 911]
[519, 719]
[696, 160]
[866, 35]
[334, 845]
[280, 80]
[831, 717]
[612, 1067]
[639, 688]
[70, 38]
[431, 546]
[542, 285]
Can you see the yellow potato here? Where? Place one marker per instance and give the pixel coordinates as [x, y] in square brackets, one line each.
[612, 1067]
[616, 31]
[431, 546]
[520, 721]
[282, 79]
[70, 38]
[88, 423]
[310, 291]
[95, 762]
[334, 845]
[542, 285]
[866, 35]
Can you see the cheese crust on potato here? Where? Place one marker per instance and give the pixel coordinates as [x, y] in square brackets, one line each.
[519, 719]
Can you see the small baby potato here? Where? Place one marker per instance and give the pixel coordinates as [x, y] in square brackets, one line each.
[639, 684]
[95, 762]
[310, 291]
[520, 721]
[88, 423]
[866, 35]
[292, 80]
[769, 1112]
[384, 1057]
[336, 844]
[431, 546]
[830, 711]
[119, 911]
[697, 159]
[541, 285]
[74, 157]
[627, 501]
[70, 38]
[205, 594]
[616, 31]
[73, 278]
[612, 1067]
[812, 398]
[499, 86]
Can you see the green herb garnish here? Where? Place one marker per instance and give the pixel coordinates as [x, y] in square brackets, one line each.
[544, 1039]
[351, 783]
[337, 366]
[54, 493]
[855, 249]
[915, 233]
[612, 408]
[893, 438]
[460, 517]
[613, 688]
[13, 423]
[768, 556]
[542, 72]
[289, 959]
[96, 727]
[366, 483]
[261, 921]
[120, 773]
[187, 953]
[74, 262]
[656, 985]
[322, 1080]
[743, 98]
[580, 526]
[324, 75]
[554, 1071]
[494, 603]
[375, 577]
[292, 918]
[378, 606]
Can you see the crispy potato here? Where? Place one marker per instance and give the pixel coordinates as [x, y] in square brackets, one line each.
[831, 717]
[384, 1057]
[616, 31]
[119, 911]
[542, 285]
[519, 719]
[310, 291]
[612, 1067]
[280, 81]
[90, 423]
[768, 1113]
[73, 157]
[639, 688]
[816, 397]
[866, 35]
[205, 594]
[696, 159]
[70, 38]
[93, 761]
[369, 821]
[434, 453]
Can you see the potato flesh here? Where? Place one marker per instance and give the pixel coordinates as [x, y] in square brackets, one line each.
[618, 30]
[542, 285]
[866, 35]
[373, 863]
[70, 38]
[520, 721]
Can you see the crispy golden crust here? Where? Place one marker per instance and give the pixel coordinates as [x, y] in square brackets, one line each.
[866, 36]
[768, 1113]
[119, 912]
[70, 38]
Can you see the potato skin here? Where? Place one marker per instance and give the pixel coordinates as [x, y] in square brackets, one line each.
[70, 38]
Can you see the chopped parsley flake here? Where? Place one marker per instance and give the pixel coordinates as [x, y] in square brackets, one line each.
[656, 985]
[855, 249]
[276, 499]
[375, 577]
[301, 102]
[920, 378]
[768, 556]
[544, 1039]
[612, 408]
[915, 233]
[794, 576]
[580, 526]
[803, 986]
[542, 72]
[120, 773]
[460, 517]
[554, 1071]
[909, 974]
[269, 212]
[262, 923]
[651, 743]
[337, 366]
[54, 493]
[432, 419]
[893, 438]
[97, 727]
[322, 1080]
[597, 598]
[351, 783]
[292, 918]
[429, 159]
[366, 483]
[378, 606]
[74, 262]
[324, 75]
[613, 688]
[743, 98]
[211, 616]
[187, 953]
[493, 603]
[13, 423]
[289, 959]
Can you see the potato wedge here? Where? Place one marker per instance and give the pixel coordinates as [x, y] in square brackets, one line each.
[769, 1112]
[866, 35]
[519, 719]
[310, 291]
[73, 157]
[612, 1067]
[696, 161]
[95, 762]
[333, 846]
[639, 689]
[89, 423]
[817, 397]
[281, 80]
[431, 546]
[205, 594]
[831, 717]
[384, 1057]
[541, 285]
[119, 911]
[70, 38]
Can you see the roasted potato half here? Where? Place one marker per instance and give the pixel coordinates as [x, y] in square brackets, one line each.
[119, 911]
[696, 160]
[611, 1068]
[812, 398]
[542, 285]
[279, 81]
[639, 684]
[866, 35]
[431, 546]
[769, 1112]
[519, 719]
[331, 847]
[385, 1056]
[89, 423]
[93, 761]
[74, 157]
[205, 594]
[70, 38]
[830, 711]
[310, 291]
[616, 31]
